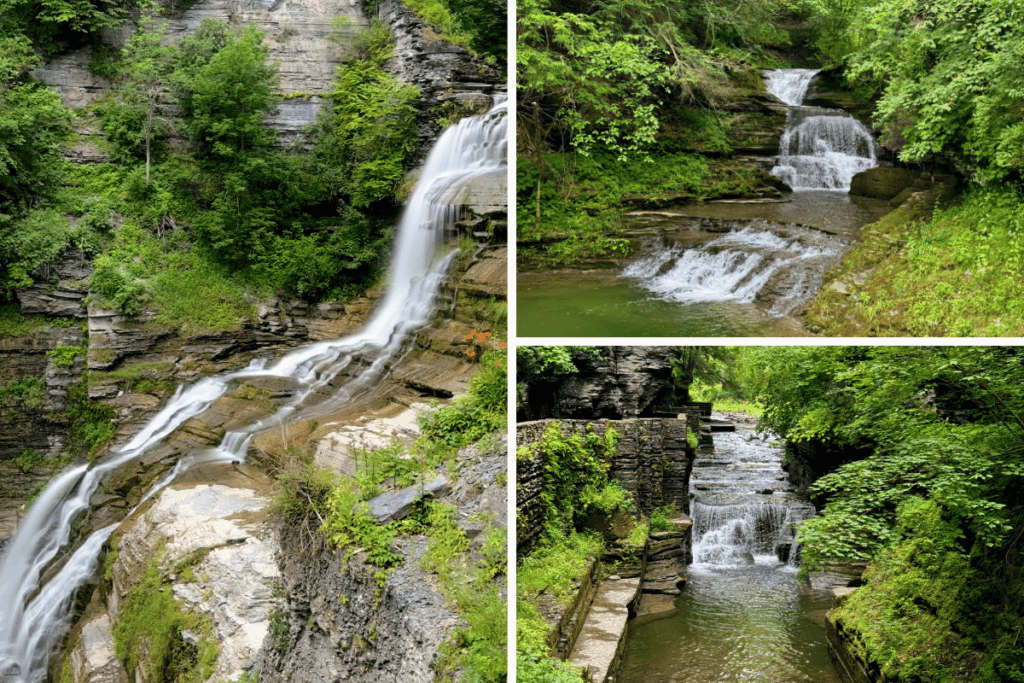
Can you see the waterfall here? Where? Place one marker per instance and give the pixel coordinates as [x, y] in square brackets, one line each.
[738, 265]
[743, 509]
[34, 618]
[821, 149]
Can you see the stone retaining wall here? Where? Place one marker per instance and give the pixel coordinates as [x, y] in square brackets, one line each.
[652, 461]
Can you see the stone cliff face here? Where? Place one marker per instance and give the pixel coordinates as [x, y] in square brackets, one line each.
[297, 34]
[631, 381]
[652, 461]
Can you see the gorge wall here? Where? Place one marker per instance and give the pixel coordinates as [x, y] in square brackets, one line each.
[617, 382]
[297, 33]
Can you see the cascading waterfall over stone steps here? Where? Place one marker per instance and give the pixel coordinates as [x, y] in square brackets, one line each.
[743, 508]
[35, 615]
[821, 149]
[777, 267]
[738, 265]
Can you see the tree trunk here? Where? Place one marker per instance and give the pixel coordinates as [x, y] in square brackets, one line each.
[149, 131]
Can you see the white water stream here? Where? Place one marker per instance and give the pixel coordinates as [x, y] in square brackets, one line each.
[821, 149]
[34, 618]
[743, 506]
[738, 266]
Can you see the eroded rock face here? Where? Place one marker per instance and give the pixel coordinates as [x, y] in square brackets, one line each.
[882, 182]
[622, 382]
[338, 631]
[93, 657]
[444, 73]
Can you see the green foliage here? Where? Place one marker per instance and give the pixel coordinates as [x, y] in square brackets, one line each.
[64, 356]
[27, 245]
[951, 272]
[392, 462]
[152, 622]
[55, 25]
[29, 460]
[475, 414]
[950, 75]
[933, 612]
[582, 199]
[29, 392]
[576, 480]
[33, 123]
[660, 517]
[533, 666]
[92, 422]
[437, 14]
[278, 630]
[349, 524]
[896, 402]
[14, 324]
[229, 97]
[486, 23]
[553, 568]
[371, 131]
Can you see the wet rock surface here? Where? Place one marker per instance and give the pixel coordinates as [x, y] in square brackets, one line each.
[600, 642]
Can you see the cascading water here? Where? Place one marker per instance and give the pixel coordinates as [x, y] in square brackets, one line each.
[35, 617]
[743, 507]
[739, 265]
[742, 615]
[821, 149]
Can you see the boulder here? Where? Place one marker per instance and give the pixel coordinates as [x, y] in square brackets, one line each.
[93, 659]
[388, 507]
[882, 182]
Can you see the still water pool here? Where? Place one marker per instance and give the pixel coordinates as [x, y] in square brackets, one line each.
[734, 623]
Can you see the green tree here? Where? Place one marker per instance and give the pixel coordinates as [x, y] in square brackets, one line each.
[950, 74]
[136, 114]
[33, 123]
[229, 98]
[371, 131]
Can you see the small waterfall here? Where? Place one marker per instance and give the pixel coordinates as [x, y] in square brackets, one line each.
[35, 618]
[744, 510]
[821, 149]
[739, 266]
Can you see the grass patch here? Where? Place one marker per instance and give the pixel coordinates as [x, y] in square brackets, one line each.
[553, 568]
[27, 392]
[14, 324]
[918, 272]
[583, 199]
[153, 621]
[64, 356]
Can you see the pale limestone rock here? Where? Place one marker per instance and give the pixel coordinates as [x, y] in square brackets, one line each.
[233, 583]
[337, 449]
[93, 659]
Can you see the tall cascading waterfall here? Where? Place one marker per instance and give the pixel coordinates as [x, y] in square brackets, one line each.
[821, 149]
[744, 510]
[35, 616]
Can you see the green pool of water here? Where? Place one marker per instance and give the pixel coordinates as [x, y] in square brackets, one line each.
[753, 623]
[602, 304]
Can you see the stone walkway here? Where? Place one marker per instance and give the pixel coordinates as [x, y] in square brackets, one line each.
[599, 643]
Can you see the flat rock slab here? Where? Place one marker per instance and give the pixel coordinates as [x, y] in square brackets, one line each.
[597, 647]
[339, 448]
[490, 274]
[391, 506]
[436, 373]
